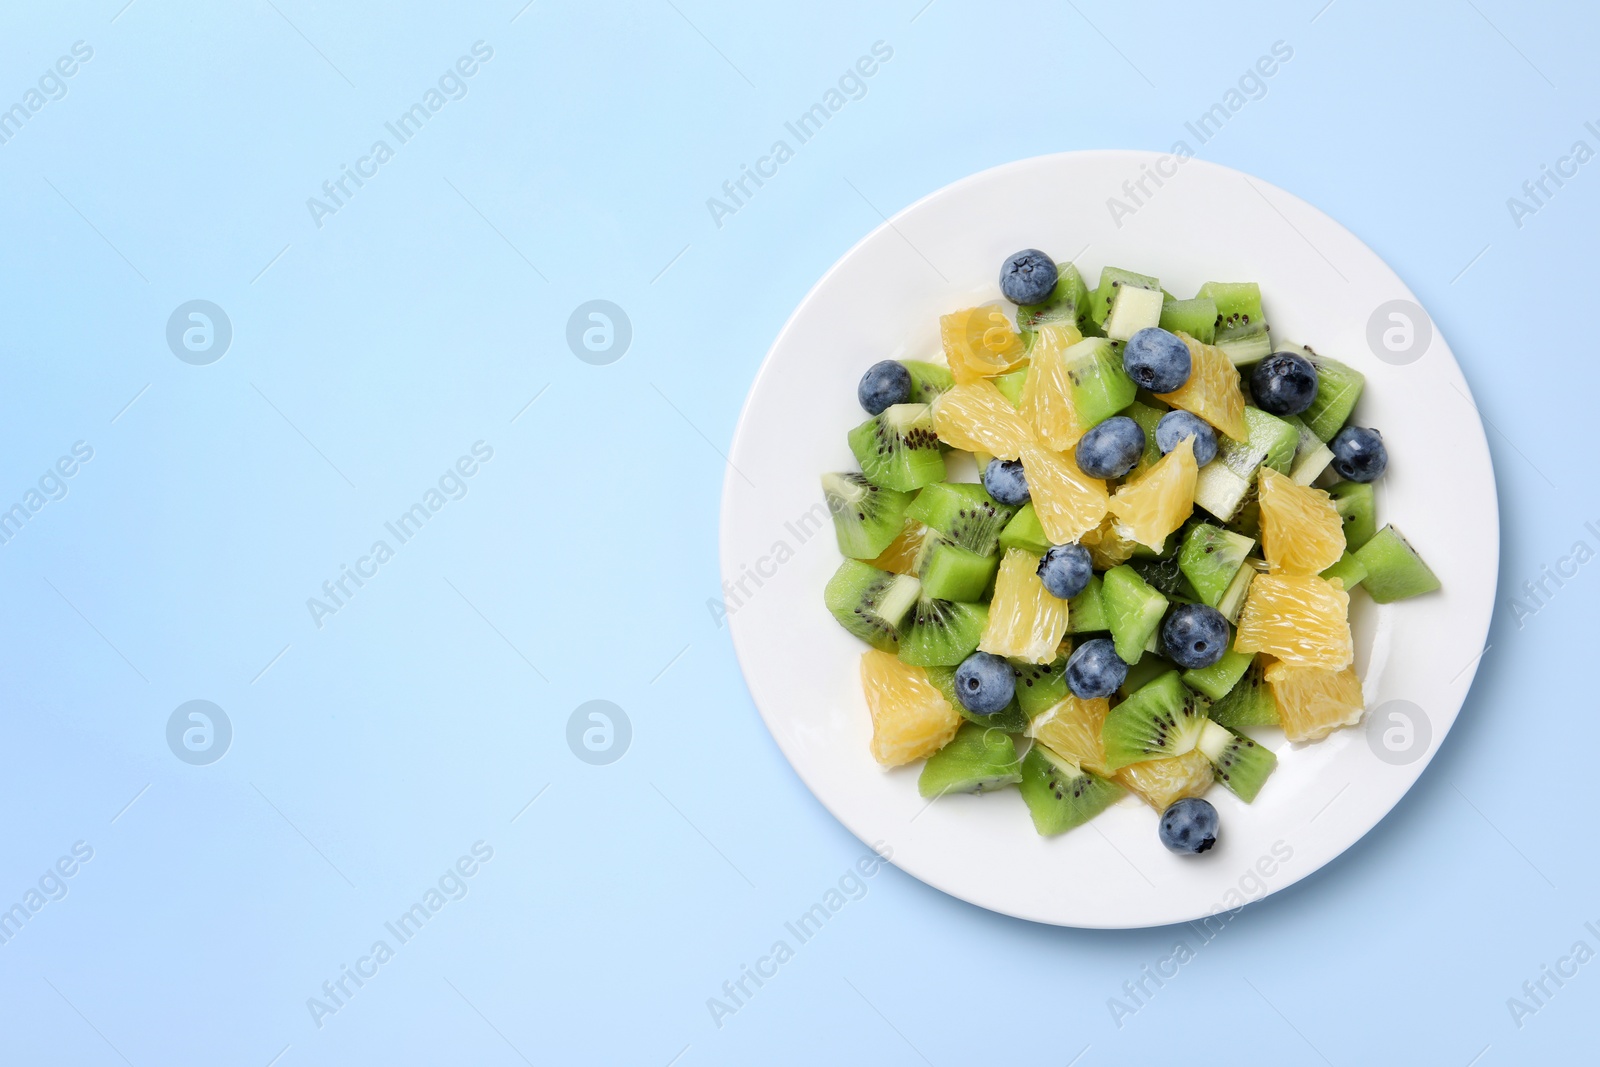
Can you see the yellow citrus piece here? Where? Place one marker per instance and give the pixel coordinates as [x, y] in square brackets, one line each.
[1068, 502]
[1313, 702]
[980, 343]
[1161, 781]
[1298, 618]
[901, 555]
[1072, 729]
[1047, 392]
[977, 418]
[1301, 532]
[911, 719]
[1158, 502]
[1107, 547]
[1025, 621]
[1212, 391]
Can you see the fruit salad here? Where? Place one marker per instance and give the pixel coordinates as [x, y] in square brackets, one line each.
[1145, 580]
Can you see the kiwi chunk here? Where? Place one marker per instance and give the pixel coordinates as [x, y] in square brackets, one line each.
[1359, 510]
[1133, 309]
[1249, 703]
[1061, 795]
[898, 448]
[1218, 680]
[1225, 482]
[1151, 666]
[865, 517]
[1068, 305]
[1210, 557]
[1162, 718]
[1311, 456]
[1024, 532]
[976, 760]
[1245, 345]
[1240, 764]
[964, 513]
[1040, 686]
[1099, 386]
[870, 603]
[1147, 417]
[1164, 573]
[928, 380]
[1112, 279]
[1338, 389]
[941, 633]
[1086, 612]
[1394, 570]
[1349, 570]
[1010, 385]
[953, 572]
[1232, 601]
[1196, 317]
[1133, 610]
[1238, 303]
[1009, 718]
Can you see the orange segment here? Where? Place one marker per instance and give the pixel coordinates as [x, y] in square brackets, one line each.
[1158, 502]
[1300, 619]
[1161, 781]
[1072, 729]
[1107, 547]
[911, 719]
[979, 343]
[901, 555]
[975, 417]
[1025, 621]
[1301, 531]
[1047, 393]
[1212, 391]
[1068, 502]
[1313, 702]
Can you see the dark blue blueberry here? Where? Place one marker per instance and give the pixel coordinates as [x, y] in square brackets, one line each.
[1284, 384]
[985, 683]
[1176, 425]
[1006, 481]
[1095, 670]
[1029, 277]
[1358, 454]
[1194, 636]
[1157, 360]
[1189, 826]
[1065, 571]
[1110, 449]
[884, 385]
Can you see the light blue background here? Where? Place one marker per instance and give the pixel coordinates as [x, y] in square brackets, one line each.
[422, 718]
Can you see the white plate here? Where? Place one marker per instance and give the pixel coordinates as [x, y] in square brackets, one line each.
[1321, 286]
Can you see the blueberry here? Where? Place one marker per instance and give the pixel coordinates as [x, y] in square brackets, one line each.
[1095, 669]
[1157, 360]
[1110, 449]
[984, 683]
[1358, 453]
[1194, 636]
[1189, 826]
[884, 385]
[1065, 571]
[1176, 425]
[1284, 384]
[1029, 277]
[1006, 482]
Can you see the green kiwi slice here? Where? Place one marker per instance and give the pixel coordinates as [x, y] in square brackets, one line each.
[1061, 795]
[871, 603]
[977, 759]
[1162, 718]
[898, 448]
[866, 517]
